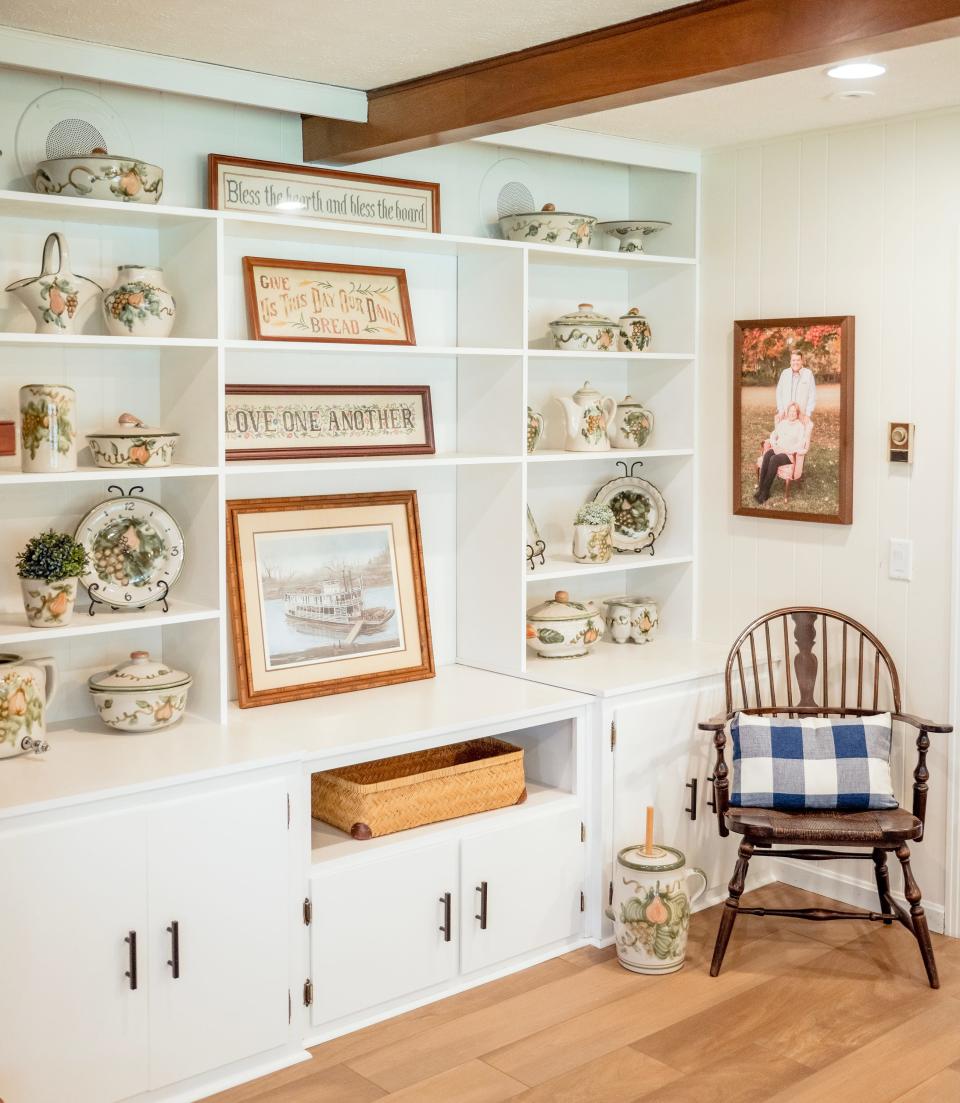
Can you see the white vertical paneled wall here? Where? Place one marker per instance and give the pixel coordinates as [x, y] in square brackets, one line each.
[864, 222]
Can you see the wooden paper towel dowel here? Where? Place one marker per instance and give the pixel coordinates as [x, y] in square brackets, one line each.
[648, 842]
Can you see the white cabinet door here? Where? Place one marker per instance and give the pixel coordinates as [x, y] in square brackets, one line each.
[533, 872]
[377, 930]
[658, 752]
[219, 870]
[71, 1026]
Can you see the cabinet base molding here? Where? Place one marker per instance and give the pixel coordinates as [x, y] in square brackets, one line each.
[202, 1087]
[348, 1025]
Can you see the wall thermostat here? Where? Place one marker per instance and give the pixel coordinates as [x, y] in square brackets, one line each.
[900, 441]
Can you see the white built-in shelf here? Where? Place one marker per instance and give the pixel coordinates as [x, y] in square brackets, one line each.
[329, 844]
[96, 340]
[32, 205]
[558, 254]
[356, 463]
[558, 455]
[14, 627]
[572, 354]
[609, 669]
[100, 474]
[317, 348]
[565, 566]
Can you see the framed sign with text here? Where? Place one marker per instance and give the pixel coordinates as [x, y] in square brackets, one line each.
[270, 187]
[277, 422]
[298, 300]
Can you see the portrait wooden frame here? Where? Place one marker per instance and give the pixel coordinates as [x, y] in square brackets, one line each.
[242, 617]
[844, 514]
[311, 451]
[358, 180]
[250, 264]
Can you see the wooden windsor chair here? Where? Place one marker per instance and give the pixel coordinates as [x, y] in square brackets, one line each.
[815, 688]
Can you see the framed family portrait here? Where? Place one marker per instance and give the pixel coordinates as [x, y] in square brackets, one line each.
[299, 300]
[793, 419]
[278, 422]
[302, 191]
[327, 595]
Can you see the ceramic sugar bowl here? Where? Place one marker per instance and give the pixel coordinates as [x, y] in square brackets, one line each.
[26, 688]
[651, 907]
[635, 332]
[631, 619]
[632, 424]
[140, 695]
[561, 628]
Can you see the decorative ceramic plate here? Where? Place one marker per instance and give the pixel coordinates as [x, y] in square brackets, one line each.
[135, 551]
[639, 512]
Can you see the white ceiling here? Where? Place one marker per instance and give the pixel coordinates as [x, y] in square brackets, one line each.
[355, 43]
[918, 78]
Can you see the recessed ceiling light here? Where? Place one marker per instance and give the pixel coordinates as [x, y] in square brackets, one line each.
[291, 205]
[857, 70]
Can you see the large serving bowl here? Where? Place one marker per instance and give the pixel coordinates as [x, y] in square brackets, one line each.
[563, 629]
[130, 443]
[549, 227]
[100, 175]
[140, 695]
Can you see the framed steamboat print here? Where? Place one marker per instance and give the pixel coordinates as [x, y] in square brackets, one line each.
[793, 419]
[327, 595]
[293, 422]
[299, 300]
[270, 187]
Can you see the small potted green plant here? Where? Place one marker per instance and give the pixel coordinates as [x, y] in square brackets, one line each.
[593, 533]
[49, 567]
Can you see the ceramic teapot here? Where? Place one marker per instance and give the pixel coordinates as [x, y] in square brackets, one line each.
[651, 907]
[26, 688]
[55, 297]
[588, 413]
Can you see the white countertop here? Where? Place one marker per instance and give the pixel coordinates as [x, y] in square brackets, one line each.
[87, 761]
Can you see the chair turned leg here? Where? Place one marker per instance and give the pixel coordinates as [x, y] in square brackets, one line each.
[729, 914]
[911, 890]
[883, 884]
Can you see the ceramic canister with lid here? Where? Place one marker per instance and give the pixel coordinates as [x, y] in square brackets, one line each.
[130, 443]
[651, 907]
[140, 695]
[561, 628]
[585, 330]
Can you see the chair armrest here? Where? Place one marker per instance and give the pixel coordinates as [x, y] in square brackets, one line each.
[716, 723]
[922, 725]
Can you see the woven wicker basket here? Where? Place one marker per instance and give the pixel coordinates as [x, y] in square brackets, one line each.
[393, 794]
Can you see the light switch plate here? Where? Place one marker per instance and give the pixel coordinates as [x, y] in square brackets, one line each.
[901, 560]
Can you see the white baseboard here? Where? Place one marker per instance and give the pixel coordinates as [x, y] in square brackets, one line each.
[850, 890]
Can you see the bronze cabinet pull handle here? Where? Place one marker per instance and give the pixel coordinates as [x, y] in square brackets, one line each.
[131, 973]
[174, 962]
[445, 927]
[482, 889]
[693, 784]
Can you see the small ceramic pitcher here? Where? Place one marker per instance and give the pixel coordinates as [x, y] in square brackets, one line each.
[593, 543]
[631, 425]
[138, 304]
[48, 427]
[651, 907]
[55, 297]
[26, 688]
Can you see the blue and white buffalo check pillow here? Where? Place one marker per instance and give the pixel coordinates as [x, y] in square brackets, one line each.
[811, 763]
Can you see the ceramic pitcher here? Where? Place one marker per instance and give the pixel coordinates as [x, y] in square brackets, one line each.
[48, 427]
[588, 413]
[534, 429]
[26, 688]
[55, 297]
[651, 907]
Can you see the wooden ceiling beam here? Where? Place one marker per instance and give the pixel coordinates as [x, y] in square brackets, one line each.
[686, 49]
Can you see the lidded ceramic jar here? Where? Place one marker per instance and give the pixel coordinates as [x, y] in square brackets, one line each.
[651, 907]
[549, 227]
[141, 695]
[130, 443]
[563, 629]
[635, 332]
[585, 330]
[631, 425]
[138, 304]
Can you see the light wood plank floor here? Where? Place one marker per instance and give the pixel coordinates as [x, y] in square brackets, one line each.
[801, 1012]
